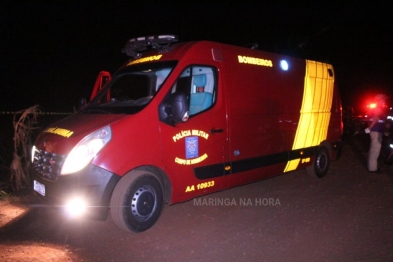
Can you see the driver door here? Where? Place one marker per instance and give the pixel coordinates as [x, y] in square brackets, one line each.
[195, 152]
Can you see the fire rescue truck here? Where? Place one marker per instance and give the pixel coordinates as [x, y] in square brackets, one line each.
[181, 120]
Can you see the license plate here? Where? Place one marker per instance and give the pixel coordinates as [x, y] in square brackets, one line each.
[39, 188]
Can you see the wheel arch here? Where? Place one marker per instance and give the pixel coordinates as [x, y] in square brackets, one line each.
[321, 160]
[334, 149]
[161, 176]
[329, 147]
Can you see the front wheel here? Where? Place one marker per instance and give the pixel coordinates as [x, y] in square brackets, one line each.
[320, 166]
[137, 201]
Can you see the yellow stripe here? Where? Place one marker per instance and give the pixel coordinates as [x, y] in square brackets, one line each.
[315, 111]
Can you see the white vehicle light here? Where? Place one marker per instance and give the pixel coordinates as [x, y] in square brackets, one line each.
[75, 207]
[33, 150]
[284, 65]
[82, 154]
[391, 145]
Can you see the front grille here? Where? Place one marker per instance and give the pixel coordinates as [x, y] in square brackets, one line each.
[48, 165]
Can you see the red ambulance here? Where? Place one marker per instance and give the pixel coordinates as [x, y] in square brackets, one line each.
[181, 120]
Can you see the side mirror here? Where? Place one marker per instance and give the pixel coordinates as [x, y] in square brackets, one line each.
[179, 107]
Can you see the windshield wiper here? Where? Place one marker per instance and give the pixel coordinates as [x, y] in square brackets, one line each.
[95, 110]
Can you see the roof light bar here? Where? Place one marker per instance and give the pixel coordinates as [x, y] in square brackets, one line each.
[135, 46]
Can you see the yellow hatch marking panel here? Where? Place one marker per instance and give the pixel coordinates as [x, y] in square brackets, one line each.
[315, 111]
[59, 131]
[255, 61]
[145, 59]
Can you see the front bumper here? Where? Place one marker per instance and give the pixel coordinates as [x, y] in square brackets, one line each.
[95, 185]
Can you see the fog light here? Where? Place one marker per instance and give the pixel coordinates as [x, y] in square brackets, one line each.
[76, 207]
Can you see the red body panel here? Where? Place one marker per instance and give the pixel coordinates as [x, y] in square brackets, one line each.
[80, 126]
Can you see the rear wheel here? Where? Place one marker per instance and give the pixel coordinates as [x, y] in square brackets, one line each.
[320, 166]
[137, 201]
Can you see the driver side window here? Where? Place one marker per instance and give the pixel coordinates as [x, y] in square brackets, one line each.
[199, 83]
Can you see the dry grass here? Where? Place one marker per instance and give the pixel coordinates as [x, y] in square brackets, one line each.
[3, 193]
[24, 122]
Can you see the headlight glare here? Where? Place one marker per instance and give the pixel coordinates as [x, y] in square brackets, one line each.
[75, 207]
[81, 155]
[33, 150]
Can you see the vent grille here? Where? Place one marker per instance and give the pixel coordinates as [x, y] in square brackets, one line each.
[48, 165]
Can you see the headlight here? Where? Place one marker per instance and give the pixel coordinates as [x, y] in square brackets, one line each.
[33, 150]
[81, 155]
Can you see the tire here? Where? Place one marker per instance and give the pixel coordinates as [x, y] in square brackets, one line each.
[321, 163]
[137, 201]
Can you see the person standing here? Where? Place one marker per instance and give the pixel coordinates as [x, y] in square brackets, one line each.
[375, 129]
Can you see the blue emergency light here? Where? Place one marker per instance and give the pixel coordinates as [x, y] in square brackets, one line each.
[284, 65]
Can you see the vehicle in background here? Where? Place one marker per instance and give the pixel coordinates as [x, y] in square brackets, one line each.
[356, 122]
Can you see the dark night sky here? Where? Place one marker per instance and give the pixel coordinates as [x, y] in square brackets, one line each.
[52, 51]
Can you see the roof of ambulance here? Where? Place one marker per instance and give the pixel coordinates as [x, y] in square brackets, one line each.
[202, 50]
[195, 49]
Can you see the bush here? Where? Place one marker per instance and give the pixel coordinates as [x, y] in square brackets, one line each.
[23, 128]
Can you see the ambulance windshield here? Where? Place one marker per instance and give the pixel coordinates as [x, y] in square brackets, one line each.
[130, 89]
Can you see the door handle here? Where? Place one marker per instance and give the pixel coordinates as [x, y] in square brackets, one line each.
[216, 130]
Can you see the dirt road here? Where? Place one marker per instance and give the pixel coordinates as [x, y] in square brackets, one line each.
[346, 216]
